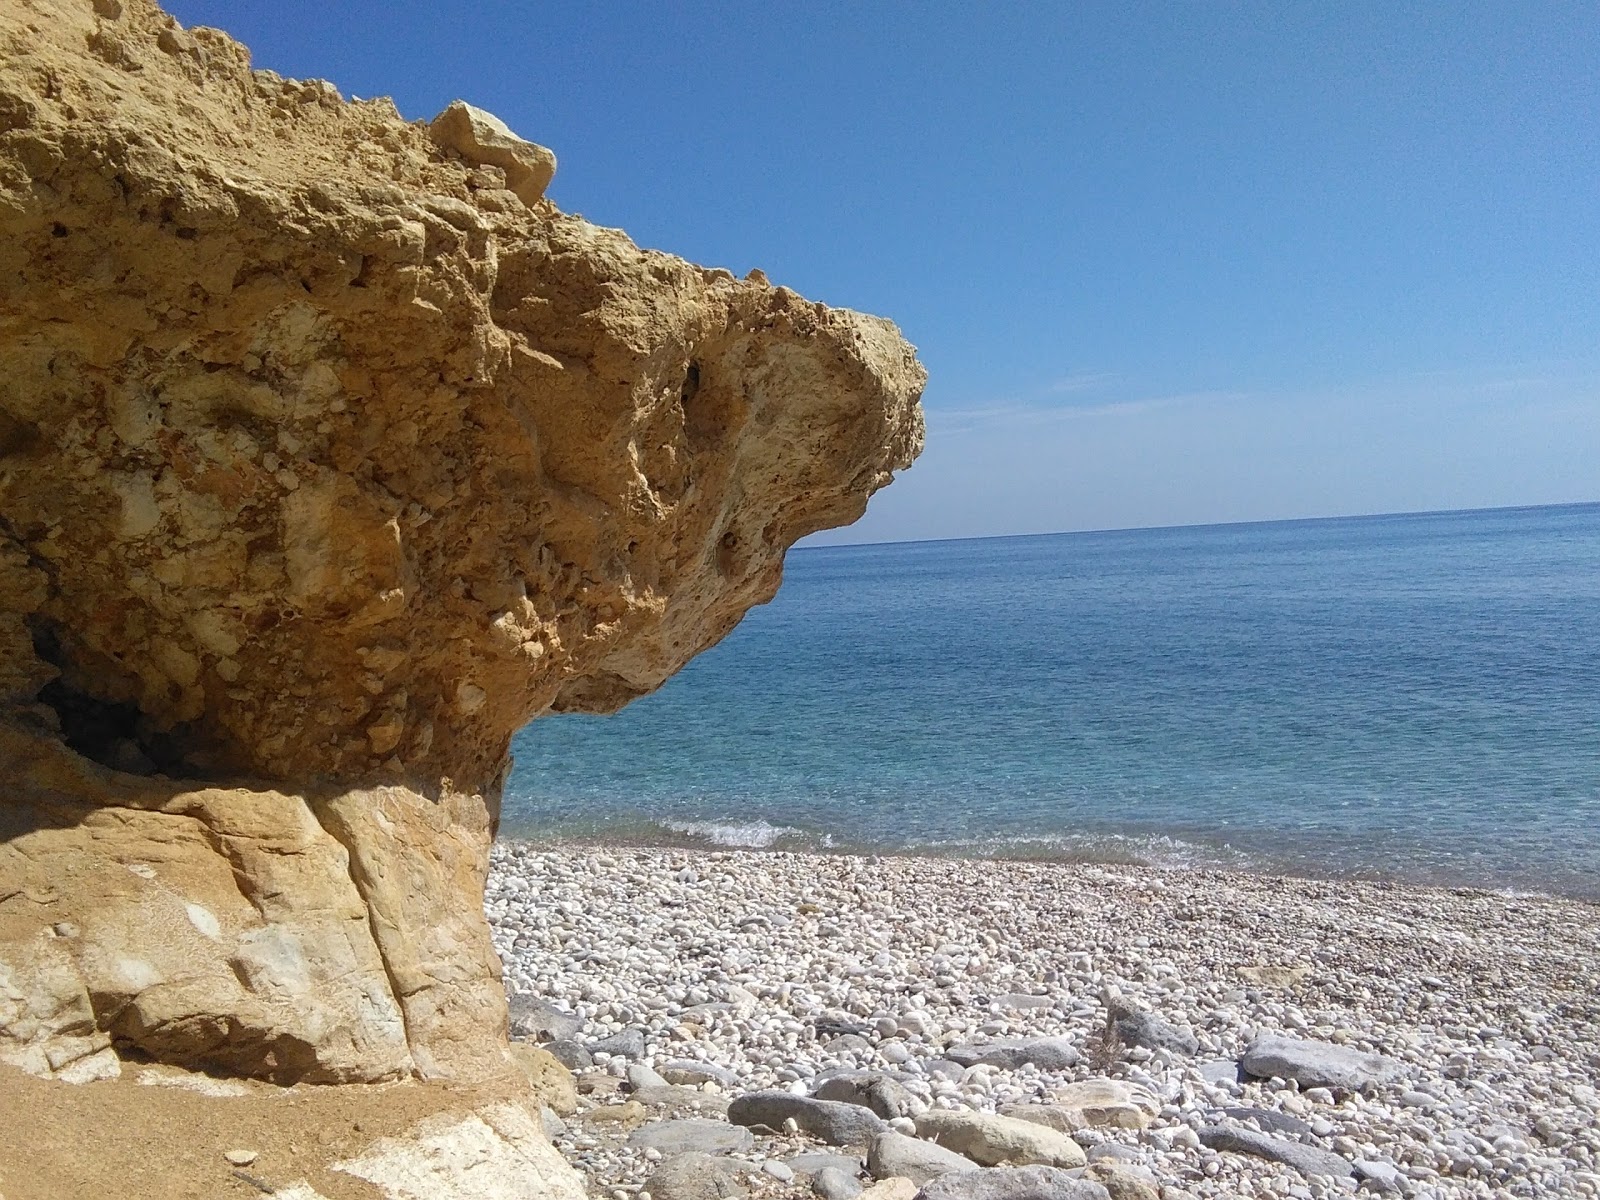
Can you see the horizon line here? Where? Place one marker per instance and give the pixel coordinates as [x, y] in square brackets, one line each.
[1356, 516]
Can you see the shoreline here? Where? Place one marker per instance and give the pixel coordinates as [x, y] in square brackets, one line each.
[750, 962]
[689, 837]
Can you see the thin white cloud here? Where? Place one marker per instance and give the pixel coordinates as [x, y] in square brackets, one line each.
[1082, 381]
[1507, 377]
[1519, 384]
[1039, 412]
[1519, 433]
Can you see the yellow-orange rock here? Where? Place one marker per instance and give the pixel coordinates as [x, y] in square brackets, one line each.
[326, 457]
[551, 1083]
[328, 460]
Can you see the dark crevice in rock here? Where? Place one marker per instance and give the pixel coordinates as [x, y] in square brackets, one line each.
[691, 385]
[113, 733]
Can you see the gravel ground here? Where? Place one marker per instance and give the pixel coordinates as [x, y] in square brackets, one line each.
[784, 968]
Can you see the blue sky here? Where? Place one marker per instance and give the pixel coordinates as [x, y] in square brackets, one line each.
[1166, 263]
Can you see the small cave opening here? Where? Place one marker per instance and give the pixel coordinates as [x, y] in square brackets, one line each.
[112, 733]
[706, 408]
[691, 385]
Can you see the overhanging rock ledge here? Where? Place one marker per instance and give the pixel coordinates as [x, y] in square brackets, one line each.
[330, 454]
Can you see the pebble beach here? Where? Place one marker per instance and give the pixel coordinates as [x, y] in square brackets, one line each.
[1113, 1007]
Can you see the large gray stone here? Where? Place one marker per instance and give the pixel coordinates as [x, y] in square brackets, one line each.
[870, 1089]
[912, 1158]
[690, 1073]
[1012, 1183]
[628, 1044]
[828, 1120]
[694, 1177]
[813, 1161]
[833, 1184]
[1270, 1121]
[1136, 1027]
[843, 1087]
[537, 1020]
[640, 1075]
[1308, 1160]
[1380, 1175]
[1320, 1064]
[890, 1099]
[1048, 1054]
[993, 1141]
[692, 1135]
[570, 1054]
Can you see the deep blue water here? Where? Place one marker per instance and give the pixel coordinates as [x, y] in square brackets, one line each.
[1414, 697]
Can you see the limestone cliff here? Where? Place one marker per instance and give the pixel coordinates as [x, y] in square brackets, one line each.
[330, 454]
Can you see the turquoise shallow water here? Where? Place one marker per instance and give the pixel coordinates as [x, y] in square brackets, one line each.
[1412, 697]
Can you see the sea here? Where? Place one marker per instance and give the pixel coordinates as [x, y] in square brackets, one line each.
[1413, 698]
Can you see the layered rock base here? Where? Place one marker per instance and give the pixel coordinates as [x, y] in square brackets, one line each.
[329, 939]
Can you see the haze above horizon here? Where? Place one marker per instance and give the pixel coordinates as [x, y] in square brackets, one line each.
[1166, 264]
[1189, 526]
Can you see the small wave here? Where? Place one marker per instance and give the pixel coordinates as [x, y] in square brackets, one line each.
[1109, 849]
[749, 835]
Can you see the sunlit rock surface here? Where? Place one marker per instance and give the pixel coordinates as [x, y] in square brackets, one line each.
[327, 460]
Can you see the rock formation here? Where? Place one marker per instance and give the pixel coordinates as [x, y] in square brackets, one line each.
[330, 454]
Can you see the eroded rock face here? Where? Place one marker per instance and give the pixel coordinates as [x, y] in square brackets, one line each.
[327, 457]
[330, 454]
